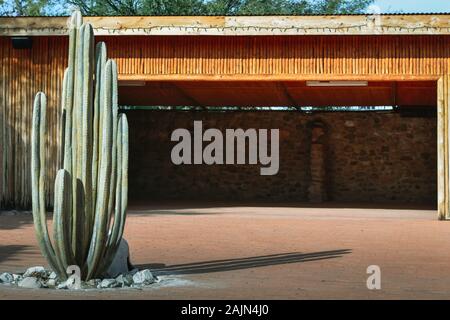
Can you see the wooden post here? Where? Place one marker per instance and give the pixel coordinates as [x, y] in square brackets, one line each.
[443, 147]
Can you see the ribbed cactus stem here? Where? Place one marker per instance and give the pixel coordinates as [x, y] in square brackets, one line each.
[62, 218]
[38, 161]
[92, 185]
[100, 58]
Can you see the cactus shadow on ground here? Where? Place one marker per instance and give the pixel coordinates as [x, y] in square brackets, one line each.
[8, 252]
[159, 269]
[16, 221]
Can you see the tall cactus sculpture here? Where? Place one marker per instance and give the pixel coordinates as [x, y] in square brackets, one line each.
[91, 185]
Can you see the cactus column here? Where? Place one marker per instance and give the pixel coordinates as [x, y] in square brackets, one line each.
[91, 186]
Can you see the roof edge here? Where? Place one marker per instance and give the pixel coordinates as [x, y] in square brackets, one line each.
[388, 24]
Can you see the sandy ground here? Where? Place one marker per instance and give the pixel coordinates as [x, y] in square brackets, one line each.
[248, 252]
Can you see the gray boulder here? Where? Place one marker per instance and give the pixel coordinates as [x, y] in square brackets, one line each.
[30, 283]
[109, 283]
[38, 272]
[17, 277]
[143, 277]
[121, 261]
[51, 283]
[93, 283]
[71, 284]
[125, 280]
[6, 277]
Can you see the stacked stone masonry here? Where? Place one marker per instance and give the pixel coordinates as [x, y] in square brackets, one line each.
[355, 157]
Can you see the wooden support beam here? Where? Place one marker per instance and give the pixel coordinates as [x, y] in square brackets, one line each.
[443, 148]
[275, 77]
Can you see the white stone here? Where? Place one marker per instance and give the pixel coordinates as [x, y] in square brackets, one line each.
[119, 264]
[35, 272]
[6, 277]
[70, 284]
[109, 283]
[30, 283]
[17, 277]
[93, 283]
[125, 280]
[51, 282]
[143, 277]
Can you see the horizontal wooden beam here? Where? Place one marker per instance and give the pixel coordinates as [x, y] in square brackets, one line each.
[275, 77]
[240, 25]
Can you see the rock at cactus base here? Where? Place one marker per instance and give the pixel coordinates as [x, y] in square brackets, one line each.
[125, 280]
[46, 279]
[6, 277]
[70, 284]
[144, 277]
[121, 263]
[30, 283]
[37, 272]
[109, 283]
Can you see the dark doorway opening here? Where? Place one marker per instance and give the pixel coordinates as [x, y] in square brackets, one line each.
[382, 152]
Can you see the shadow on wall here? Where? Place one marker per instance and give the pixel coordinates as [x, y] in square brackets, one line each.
[243, 263]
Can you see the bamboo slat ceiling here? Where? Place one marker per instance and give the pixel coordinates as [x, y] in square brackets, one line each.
[277, 93]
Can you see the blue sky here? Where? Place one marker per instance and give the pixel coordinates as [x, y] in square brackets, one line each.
[413, 5]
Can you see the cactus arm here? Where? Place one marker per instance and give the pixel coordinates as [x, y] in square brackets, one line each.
[61, 219]
[100, 57]
[77, 201]
[100, 225]
[76, 19]
[69, 148]
[123, 182]
[86, 138]
[38, 148]
[62, 122]
[114, 171]
[74, 26]
[116, 232]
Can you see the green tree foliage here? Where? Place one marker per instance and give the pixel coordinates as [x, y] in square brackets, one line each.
[108, 7]
[173, 7]
[24, 7]
[341, 6]
[219, 7]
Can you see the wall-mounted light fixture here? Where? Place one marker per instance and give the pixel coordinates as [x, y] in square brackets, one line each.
[22, 42]
[337, 83]
[131, 83]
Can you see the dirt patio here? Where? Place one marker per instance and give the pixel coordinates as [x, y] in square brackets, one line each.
[270, 252]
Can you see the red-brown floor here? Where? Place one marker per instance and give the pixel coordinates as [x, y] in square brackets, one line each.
[247, 252]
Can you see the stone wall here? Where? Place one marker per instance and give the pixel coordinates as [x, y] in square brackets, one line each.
[365, 157]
